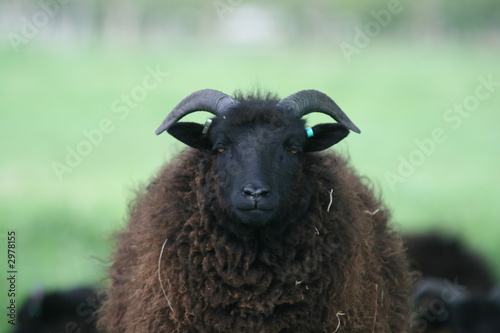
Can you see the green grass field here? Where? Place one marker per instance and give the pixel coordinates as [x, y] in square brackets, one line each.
[53, 101]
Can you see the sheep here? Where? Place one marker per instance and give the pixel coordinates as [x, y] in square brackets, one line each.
[435, 255]
[476, 314]
[457, 292]
[254, 229]
[444, 306]
[70, 310]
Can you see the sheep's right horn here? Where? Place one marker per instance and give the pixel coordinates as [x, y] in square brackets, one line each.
[307, 101]
[210, 100]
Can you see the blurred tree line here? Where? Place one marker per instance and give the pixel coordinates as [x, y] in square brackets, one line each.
[160, 20]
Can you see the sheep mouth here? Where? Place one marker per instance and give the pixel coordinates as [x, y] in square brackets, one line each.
[255, 215]
[257, 206]
[256, 210]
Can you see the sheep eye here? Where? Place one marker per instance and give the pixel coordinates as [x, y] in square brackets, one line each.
[293, 150]
[221, 149]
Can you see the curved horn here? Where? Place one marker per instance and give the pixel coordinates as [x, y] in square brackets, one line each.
[307, 101]
[210, 100]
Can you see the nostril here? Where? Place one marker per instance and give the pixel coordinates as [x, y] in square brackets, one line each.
[264, 192]
[256, 192]
[248, 192]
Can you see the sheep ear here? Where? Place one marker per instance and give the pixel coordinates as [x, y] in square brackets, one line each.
[190, 134]
[324, 136]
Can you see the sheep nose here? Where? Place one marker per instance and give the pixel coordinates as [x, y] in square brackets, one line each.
[256, 191]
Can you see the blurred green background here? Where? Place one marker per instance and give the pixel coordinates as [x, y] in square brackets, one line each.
[84, 84]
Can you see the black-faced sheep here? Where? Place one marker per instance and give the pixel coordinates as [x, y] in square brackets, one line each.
[256, 231]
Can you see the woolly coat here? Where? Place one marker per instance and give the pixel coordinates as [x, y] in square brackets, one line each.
[330, 264]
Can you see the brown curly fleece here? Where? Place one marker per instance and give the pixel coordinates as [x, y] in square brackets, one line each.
[340, 270]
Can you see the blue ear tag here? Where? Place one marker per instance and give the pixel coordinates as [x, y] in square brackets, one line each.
[207, 126]
[309, 132]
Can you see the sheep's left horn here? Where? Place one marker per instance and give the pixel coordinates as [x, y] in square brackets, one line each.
[308, 101]
[210, 100]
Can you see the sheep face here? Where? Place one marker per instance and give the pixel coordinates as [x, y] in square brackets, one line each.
[259, 153]
[257, 163]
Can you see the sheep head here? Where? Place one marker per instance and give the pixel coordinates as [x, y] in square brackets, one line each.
[260, 144]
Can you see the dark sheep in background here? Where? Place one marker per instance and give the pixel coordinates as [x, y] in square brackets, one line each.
[456, 293]
[59, 311]
[476, 314]
[255, 231]
[435, 255]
